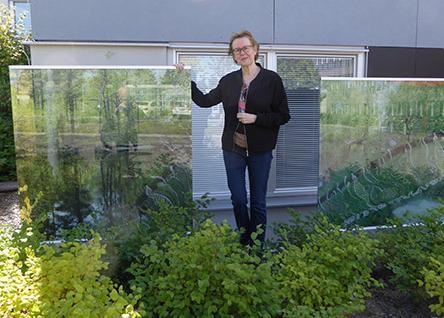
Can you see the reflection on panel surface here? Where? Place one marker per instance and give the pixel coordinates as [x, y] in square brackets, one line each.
[381, 149]
[99, 145]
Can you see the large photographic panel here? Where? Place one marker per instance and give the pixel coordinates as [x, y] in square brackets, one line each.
[381, 149]
[101, 145]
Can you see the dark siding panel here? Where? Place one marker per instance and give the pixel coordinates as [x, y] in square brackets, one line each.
[430, 63]
[405, 62]
[391, 62]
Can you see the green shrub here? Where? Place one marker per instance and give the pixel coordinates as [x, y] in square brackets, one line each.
[407, 249]
[433, 275]
[434, 283]
[7, 150]
[328, 275]
[206, 274]
[296, 230]
[125, 241]
[19, 295]
[51, 281]
[12, 52]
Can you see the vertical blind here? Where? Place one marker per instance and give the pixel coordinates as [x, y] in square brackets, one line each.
[208, 166]
[297, 151]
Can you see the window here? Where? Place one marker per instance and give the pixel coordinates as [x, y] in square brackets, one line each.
[294, 173]
[208, 166]
[297, 151]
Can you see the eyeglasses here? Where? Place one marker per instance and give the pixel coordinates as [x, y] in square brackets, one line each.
[245, 49]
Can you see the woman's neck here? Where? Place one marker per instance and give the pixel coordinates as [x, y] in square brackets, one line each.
[249, 69]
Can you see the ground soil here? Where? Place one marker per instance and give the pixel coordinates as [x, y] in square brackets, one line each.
[385, 303]
[390, 303]
[9, 208]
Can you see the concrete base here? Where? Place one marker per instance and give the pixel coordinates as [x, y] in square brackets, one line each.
[274, 215]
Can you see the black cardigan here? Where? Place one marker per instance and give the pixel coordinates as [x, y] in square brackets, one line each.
[266, 99]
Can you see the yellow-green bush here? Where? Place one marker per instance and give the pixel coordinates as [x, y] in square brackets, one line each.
[19, 295]
[434, 283]
[206, 274]
[51, 281]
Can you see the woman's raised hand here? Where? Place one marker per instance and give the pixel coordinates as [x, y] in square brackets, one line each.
[179, 66]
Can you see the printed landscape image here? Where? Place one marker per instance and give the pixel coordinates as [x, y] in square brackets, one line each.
[381, 149]
[97, 146]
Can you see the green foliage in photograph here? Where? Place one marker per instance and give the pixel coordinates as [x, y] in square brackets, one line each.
[328, 275]
[174, 188]
[206, 274]
[66, 191]
[361, 191]
[408, 249]
[416, 107]
[51, 281]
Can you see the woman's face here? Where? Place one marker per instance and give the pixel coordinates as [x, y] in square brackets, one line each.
[243, 51]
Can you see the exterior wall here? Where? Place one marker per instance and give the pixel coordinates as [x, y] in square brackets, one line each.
[398, 23]
[431, 24]
[150, 21]
[347, 22]
[274, 215]
[56, 54]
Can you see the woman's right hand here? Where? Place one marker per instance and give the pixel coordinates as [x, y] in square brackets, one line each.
[179, 66]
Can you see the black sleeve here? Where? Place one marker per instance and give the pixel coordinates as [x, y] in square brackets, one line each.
[280, 113]
[214, 97]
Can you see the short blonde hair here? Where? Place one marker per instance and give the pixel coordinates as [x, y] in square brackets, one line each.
[243, 34]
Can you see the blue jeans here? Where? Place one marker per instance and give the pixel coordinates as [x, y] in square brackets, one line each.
[258, 171]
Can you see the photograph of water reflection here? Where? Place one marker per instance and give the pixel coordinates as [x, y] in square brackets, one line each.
[100, 146]
[381, 149]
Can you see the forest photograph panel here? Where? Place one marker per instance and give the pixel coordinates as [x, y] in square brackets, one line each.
[95, 146]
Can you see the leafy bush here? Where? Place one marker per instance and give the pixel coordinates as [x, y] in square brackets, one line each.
[407, 249]
[205, 274]
[126, 240]
[18, 292]
[7, 150]
[328, 275]
[434, 283]
[54, 281]
[12, 52]
[296, 230]
[433, 275]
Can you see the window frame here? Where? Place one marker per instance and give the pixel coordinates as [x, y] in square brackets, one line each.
[278, 197]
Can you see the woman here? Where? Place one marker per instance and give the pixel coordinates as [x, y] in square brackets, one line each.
[255, 105]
